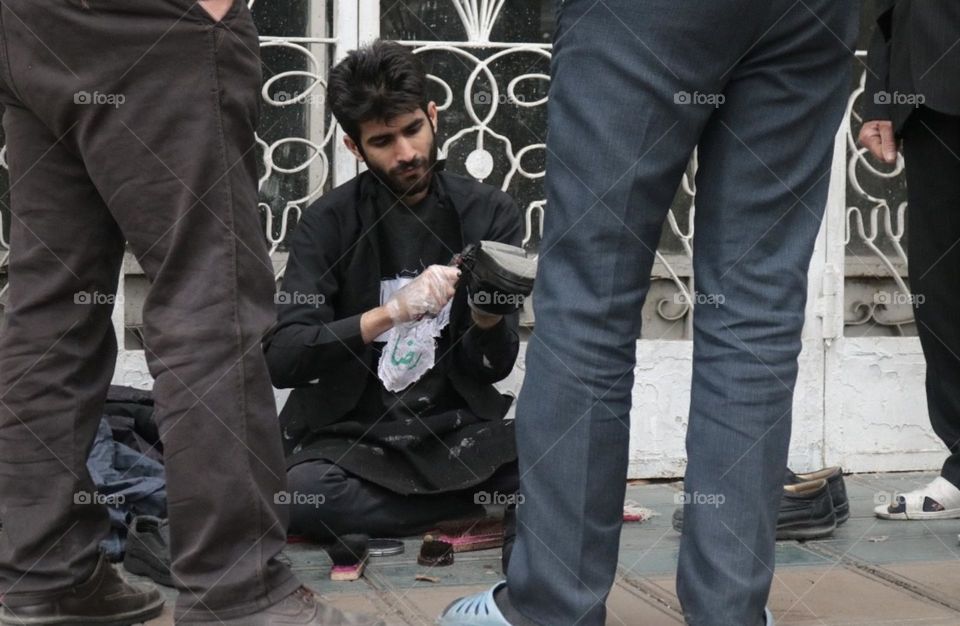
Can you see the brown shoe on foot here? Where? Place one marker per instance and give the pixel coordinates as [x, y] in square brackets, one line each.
[104, 599]
[302, 607]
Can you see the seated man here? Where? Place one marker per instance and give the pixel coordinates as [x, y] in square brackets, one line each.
[394, 424]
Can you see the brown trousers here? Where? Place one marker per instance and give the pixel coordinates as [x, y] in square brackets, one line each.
[134, 121]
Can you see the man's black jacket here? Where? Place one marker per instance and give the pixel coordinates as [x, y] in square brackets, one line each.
[915, 50]
[333, 277]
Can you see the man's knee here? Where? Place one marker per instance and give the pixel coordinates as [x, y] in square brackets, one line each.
[315, 495]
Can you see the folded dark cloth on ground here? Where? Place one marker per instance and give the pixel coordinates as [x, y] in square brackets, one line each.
[125, 464]
[131, 416]
[129, 482]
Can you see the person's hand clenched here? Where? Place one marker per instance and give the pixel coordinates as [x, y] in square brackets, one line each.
[877, 137]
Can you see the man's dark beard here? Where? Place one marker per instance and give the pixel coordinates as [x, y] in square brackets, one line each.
[392, 178]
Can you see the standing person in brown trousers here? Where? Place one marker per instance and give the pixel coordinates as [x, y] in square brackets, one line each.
[134, 122]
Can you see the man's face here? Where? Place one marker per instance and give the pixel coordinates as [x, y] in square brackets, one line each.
[401, 151]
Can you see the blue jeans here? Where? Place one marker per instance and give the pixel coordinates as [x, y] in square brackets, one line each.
[760, 86]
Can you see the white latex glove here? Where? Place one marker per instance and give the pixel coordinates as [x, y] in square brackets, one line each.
[425, 295]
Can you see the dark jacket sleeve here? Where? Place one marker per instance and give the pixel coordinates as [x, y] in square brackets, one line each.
[876, 100]
[307, 340]
[489, 355]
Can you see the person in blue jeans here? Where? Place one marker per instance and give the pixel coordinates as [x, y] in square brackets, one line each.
[759, 87]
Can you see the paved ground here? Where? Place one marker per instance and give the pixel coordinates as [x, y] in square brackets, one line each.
[870, 571]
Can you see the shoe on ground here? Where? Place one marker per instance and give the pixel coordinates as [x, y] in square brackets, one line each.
[148, 549]
[940, 499]
[479, 609]
[301, 608]
[806, 512]
[103, 599]
[838, 489]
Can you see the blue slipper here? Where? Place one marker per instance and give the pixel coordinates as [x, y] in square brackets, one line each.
[476, 610]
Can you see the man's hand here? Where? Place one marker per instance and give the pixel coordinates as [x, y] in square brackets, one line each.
[216, 8]
[877, 137]
[425, 295]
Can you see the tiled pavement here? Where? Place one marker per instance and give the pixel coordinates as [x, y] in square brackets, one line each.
[870, 571]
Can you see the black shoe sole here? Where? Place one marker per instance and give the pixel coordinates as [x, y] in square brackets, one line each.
[843, 512]
[818, 530]
[143, 567]
[122, 619]
[815, 530]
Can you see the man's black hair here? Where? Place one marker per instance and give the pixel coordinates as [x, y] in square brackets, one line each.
[376, 82]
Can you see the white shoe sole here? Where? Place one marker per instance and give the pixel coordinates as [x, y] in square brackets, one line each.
[881, 512]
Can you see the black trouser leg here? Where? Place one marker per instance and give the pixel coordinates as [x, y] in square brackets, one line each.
[931, 143]
[327, 501]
